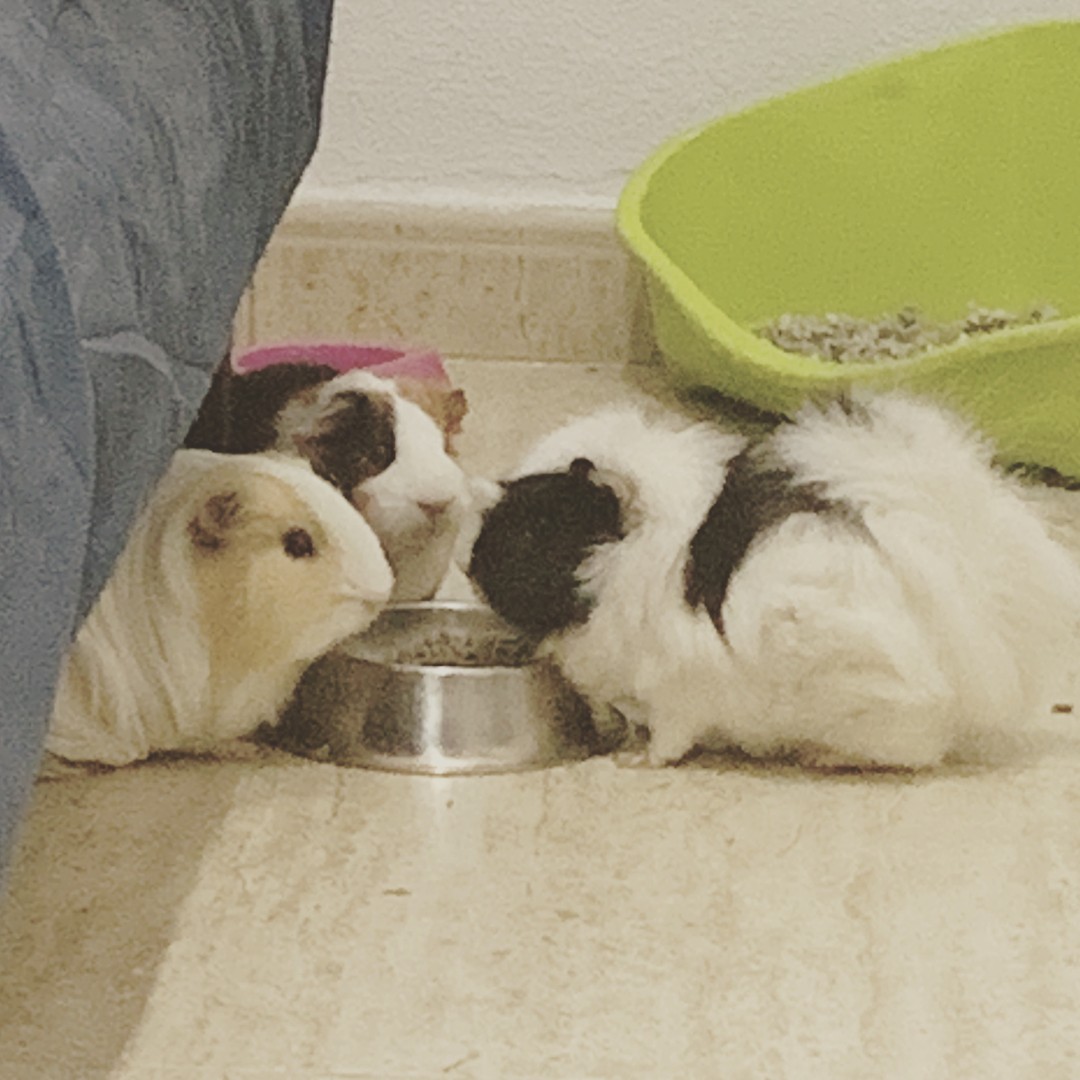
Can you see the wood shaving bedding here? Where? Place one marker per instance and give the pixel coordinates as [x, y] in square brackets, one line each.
[848, 338]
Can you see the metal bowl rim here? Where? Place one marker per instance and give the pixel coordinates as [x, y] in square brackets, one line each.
[471, 670]
[442, 605]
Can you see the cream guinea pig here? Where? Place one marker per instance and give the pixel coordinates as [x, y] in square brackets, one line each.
[239, 571]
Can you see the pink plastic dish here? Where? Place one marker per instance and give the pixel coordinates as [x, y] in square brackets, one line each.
[385, 360]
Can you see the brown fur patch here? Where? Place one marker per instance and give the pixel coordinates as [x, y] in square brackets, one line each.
[215, 517]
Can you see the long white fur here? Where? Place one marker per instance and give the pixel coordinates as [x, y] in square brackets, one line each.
[944, 631]
[422, 473]
[142, 674]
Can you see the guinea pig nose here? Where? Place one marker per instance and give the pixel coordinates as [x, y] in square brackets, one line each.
[433, 510]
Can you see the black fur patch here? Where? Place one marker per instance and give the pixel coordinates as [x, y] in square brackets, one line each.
[852, 407]
[1045, 475]
[354, 439]
[532, 542]
[239, 413]
[757, 496]
[210, 427]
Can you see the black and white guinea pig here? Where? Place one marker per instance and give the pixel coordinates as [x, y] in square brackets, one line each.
[239, 571]
[387, 444]
[859, 587]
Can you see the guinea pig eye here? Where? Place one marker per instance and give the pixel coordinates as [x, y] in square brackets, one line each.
[298, 544]
[381, 458]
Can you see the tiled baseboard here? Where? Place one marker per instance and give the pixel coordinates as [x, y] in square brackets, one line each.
[535, 284]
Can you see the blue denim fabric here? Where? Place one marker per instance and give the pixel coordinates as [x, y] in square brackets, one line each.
[147, 150]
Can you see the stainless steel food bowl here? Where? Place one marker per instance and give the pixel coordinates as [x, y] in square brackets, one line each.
[439, 688]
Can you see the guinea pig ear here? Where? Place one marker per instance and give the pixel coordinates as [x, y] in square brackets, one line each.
[456, 409]
[447, 407]
[622, 487]
[214, 519]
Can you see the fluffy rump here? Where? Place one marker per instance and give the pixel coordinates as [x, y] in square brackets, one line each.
[944, 631]
[239, 571]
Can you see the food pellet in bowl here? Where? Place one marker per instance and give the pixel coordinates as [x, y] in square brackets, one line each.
[848, 338]
[438, 648]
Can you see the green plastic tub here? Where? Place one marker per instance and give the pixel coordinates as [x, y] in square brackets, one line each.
[933, 180]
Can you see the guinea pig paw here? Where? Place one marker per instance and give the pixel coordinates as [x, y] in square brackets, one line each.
[668, 747]
[632, 758]
[483, 492]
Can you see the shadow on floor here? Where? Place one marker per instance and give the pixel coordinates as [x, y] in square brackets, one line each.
[790, 771]
[101, 873]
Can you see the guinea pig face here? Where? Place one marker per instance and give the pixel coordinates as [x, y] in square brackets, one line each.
[422, 493]
[283, 566]
[533, 541]
[389, 456]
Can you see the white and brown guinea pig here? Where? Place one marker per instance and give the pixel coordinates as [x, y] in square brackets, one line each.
[859, 587]
[239, 572]
[387, 444]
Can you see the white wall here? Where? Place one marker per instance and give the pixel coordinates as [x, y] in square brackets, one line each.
[554, 102]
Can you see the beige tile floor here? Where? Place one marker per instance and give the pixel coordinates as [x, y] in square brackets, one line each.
[275, 918]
